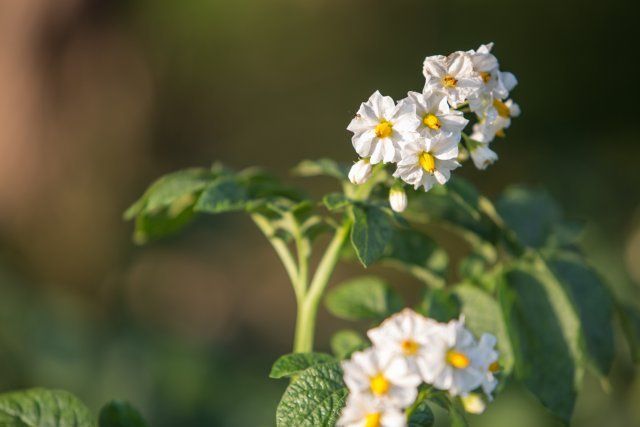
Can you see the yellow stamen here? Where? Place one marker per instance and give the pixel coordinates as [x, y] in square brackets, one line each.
[501, 108]
[427, 162]
[409, 347]
[500, 133]
[431, 121]
[486, 77]
[372, 420]
[494, 367]
[379, 385]
[457, 360]
[449, 81]
[384, 129]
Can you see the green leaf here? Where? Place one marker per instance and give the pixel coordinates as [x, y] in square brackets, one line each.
[418, 254]
[366, 297]
[440, 305]
[222, 195]
[314, 398]
[327, 167]
[169, 188]
[336, 201]
[544, 333]
[592, 303]
[40, 407]
[371, 231]
[453, 405]
[291, 364]
[346, 342]
[120, 414]
[420, 415]
[531, 214]
[482, 314]
[630, 320]
[154, 225]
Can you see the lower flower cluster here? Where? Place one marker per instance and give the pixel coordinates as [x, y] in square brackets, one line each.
[408, 350]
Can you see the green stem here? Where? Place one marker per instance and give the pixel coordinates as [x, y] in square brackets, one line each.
[307, 310]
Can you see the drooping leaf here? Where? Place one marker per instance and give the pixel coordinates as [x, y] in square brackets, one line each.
[420, 415]
[169, 188]
[366, 297]
[531, 214]
[592, 303]
[327, 167]
[483, 314]
[291, 364]
[222, 195]
[440, 305]
[371, 231]
[43, 408]
[120, 414]
[418, 254]
[346, 342]
[545, 334]
[630, 320]
[314, 398]
[153, 225]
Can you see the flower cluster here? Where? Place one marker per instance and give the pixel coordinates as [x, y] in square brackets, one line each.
[422, 134]
[409, 349]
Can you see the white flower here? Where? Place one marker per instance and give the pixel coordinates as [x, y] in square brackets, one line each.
[497, 118]
[381, 127]
[362, 411]
[379, 376]
[406, 336]
[452, 361]
[487, 357]
[454, 75]
[426, 162]
[435, 115]
[360, 172]
[496, 83]
[398, 199]
[482, 155]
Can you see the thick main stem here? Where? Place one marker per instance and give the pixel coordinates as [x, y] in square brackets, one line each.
[308, 306]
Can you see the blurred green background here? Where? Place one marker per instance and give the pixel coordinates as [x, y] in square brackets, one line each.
[100, 97]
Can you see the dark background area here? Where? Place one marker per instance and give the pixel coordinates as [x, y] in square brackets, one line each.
[100, 97]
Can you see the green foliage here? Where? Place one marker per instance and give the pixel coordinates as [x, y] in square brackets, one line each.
[544, 333]
[224, 194]
[371, 231]
[366, 297]
[43, 408]
[630, 320]
[420, 415]
[418, 254]
[326, 167]
[120, 414]
[345, 342]
[439, 304]
[314, 398]
[291, 364]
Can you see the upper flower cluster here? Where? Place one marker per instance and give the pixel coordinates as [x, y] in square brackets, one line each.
[422, 133]
[409, 349]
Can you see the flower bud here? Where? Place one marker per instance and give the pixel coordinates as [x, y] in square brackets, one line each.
[360, 172]
[398, 199]
[483, 156]
[473, 403]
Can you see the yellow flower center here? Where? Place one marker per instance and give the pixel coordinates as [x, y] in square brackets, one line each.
[431, 121]
[501, 108]
[486, 77]
[500, 133]
[449, 81]
[494, 367]
[427, 162]
[457, 360]
[409, 347]
[379, 385]
[384, 129]
[372, 420]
